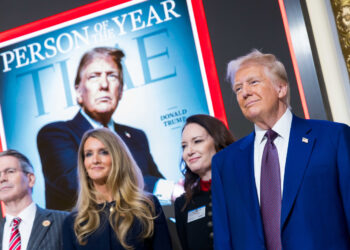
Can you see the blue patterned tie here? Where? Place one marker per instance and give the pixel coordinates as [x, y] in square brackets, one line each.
[270, 193]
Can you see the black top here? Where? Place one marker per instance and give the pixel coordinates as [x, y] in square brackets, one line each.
[198, 233]
[104, 237]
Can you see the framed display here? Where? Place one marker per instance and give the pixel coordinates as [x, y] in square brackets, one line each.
[305, 59]
[169, 74]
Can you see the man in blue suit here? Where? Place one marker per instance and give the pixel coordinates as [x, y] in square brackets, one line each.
[304, 200]
[99, 88]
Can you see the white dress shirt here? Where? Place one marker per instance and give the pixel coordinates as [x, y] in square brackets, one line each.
[25, 227]
[282, 128]
[95, 124]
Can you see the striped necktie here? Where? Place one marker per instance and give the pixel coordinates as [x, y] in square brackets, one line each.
[15, 239]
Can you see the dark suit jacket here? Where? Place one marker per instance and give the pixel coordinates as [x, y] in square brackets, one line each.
[105, 238]
[316, 191]
[58, 145]
[43, 237]
[197, 234]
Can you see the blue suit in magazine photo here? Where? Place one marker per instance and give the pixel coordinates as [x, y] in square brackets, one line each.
[312, 208]
[46, 106]
[58, 145]
[99, 86]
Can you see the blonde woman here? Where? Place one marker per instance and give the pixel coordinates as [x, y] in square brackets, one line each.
[112, 211]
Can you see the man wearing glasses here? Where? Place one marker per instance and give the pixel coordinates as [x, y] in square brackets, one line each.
[25, 225]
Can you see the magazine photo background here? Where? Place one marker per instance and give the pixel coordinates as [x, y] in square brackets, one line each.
[163, 80]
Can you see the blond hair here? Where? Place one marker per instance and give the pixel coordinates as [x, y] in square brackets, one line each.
[125, 183]
[273, 67]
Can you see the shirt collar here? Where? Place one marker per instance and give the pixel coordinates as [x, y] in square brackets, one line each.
[24, 215]
[281, 127]
[94, 123]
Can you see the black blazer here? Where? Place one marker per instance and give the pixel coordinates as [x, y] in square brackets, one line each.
[104, 237]
[43, 236]
[197, 234]
[58, 145]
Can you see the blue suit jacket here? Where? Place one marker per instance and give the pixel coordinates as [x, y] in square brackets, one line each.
[316, 191]
[58, 145]
[48, 237]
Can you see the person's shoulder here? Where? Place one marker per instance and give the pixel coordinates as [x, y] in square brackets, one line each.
[121, 128]
[153, 198]
[55, 213]
[233, 147]
[70, 218]
[179, 205]
[56, 126]
[180, 201]
[155, 201]
[68, 222]
[62, 129]
[323, 125]
[58, 212]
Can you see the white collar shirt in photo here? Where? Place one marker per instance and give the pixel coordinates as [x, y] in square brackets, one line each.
[282, 128]
[27, 216]
[95, 124]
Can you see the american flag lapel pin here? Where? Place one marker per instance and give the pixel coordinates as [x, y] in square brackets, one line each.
[305, 140]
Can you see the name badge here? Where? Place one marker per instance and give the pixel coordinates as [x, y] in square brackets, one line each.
[196, 214]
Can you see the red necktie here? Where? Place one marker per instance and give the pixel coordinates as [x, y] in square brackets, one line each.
[270, 193]
[15, 239]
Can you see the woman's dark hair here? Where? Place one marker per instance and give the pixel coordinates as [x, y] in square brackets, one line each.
[222, 137]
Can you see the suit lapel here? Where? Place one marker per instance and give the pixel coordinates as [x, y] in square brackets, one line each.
[2, 224]
[41, 225]
[300, 146]
[80, 125]
[245, 173]
[125, 135]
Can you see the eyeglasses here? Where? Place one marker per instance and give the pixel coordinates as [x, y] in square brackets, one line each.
[11, 171]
